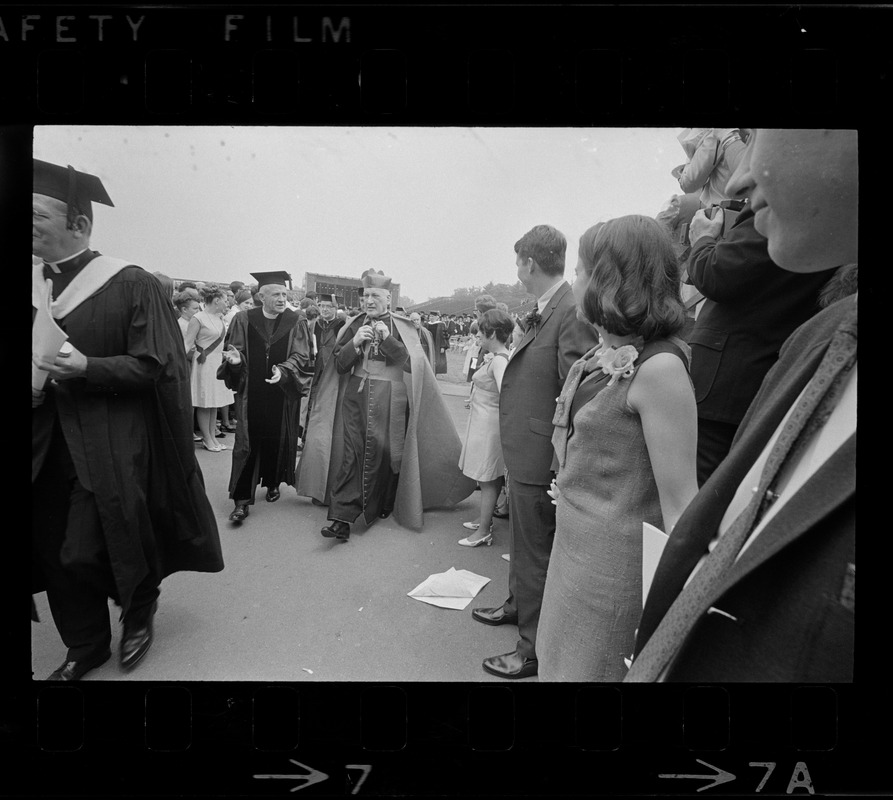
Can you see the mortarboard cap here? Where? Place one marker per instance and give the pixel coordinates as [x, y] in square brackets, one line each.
[280, 278]
[329, 298]
[76, 189]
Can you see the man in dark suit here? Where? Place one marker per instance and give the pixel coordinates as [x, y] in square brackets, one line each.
[757, 580]
[752, 306]
[533, 378]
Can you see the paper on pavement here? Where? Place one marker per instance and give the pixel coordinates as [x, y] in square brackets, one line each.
[455, 588]
[47, 337]
[653, 542]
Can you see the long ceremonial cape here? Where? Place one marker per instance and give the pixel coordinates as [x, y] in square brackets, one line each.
[429, 474]
[293, 384]
[128, 427]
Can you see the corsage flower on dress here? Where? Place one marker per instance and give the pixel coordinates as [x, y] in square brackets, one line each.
[618, 362]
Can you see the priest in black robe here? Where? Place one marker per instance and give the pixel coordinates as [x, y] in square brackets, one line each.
[117, 500]
[266, 362]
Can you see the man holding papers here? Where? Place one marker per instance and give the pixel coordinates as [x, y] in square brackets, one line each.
[118, 500]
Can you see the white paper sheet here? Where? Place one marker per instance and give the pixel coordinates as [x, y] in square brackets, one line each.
[653, 542]
[455, 588]
[47, 338]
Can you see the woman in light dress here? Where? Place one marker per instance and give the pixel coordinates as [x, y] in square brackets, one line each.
[481, 456]
[204, 345]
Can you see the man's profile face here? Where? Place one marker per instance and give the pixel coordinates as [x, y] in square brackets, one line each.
[326, 309]
[273, 296]
[416, 320]
[376, 302]
[523, 265]
[50, 238]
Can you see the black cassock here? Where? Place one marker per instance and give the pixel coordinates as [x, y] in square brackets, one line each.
[441, 345]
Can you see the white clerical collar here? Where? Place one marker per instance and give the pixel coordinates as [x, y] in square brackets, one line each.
[54, 265]
[269, 316]
[544, 300]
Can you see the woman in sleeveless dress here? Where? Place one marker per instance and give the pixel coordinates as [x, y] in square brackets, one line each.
[481, 456]
[204, 345]
[625, 439]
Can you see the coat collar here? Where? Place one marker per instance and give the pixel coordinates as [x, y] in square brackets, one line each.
[256, 320]
[529, 334]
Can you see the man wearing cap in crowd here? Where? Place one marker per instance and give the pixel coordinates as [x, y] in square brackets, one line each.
[380, 438]
[266, 362]
[118, 500]
[325, 330]
[441, 342]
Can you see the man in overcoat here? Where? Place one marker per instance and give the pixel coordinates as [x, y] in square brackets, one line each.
[553, 341]
[118, 500]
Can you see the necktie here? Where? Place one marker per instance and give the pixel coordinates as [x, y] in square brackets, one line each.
[812, 410]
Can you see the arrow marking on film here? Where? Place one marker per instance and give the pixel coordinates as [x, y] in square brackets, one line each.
[720, 777]
[308, 779]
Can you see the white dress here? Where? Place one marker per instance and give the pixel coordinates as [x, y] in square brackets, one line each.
[207, 390]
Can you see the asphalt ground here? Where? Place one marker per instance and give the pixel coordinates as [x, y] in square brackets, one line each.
[291, 605]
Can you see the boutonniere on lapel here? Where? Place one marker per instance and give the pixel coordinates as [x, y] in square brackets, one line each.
[618, 362]
[533, 318]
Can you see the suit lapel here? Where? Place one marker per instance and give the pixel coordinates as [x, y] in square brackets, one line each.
[529, 334]
[832, 484]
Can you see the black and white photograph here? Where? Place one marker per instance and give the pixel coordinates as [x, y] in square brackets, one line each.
[405, 404]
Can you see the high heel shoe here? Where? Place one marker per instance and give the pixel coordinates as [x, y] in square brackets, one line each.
[485, 540]
[473, 526]
[216, 449]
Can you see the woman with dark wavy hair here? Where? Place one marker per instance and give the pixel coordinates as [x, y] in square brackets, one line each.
[625, 438]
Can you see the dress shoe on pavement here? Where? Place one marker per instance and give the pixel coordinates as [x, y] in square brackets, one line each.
[511, 665]
[136, 638]
[272, 494]
[337, 530]
[75, 670]
[494, 616]
[239, 512]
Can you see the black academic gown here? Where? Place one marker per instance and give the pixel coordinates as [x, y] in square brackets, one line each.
[441, 345]
[126, 428]
[265, 448]
[325, 334]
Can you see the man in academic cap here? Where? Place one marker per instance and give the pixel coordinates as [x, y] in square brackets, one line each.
[266, 362]
[441, 341]
[380, 438]
[325, 330]
[118, 500]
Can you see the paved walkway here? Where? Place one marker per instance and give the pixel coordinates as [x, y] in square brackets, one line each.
[293, 606]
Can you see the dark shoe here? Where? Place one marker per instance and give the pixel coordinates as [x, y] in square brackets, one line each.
[220, 435]
[272, 494]
[239, 512]
[337, 530]
[317, 502]
[500, 514]
[385, 513]
[511, 665]
[136, 639]
[494, 616]
[75, 670]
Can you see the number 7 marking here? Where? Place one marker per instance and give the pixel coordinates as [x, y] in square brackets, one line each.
[367, 768]
[769, 765]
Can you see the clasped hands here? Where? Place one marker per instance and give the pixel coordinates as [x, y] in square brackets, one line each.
[366, 332]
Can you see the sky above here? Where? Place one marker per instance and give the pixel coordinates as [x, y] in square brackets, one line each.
[435, 208]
